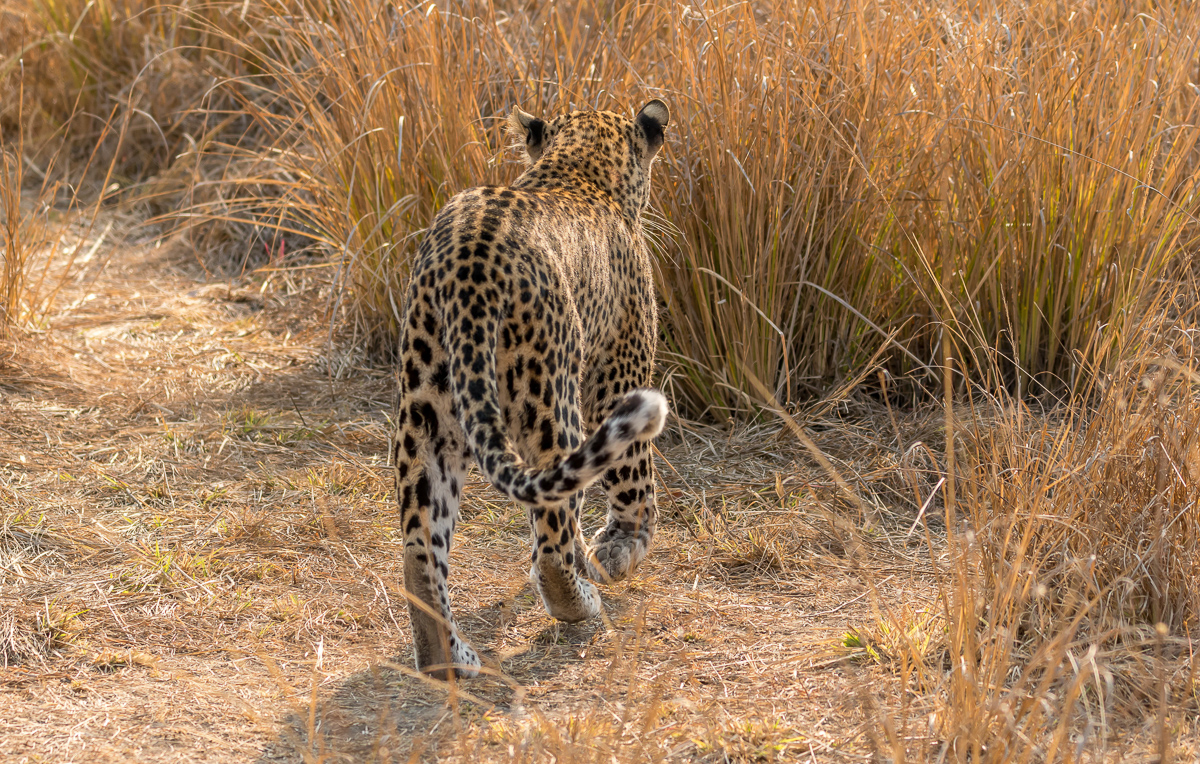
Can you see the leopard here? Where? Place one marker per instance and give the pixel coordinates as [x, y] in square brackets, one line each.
[527, 343]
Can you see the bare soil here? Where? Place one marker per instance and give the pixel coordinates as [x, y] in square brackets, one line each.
[199, 560]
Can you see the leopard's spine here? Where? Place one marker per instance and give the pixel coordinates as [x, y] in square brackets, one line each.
[639, 416]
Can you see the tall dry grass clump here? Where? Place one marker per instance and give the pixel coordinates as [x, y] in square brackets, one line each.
[842, 180]
[12, 276]
[1069, 587]
[25, 233]
[845, 181]
[1108, 495]
[867, 173]
[120, 85]
[48, 215]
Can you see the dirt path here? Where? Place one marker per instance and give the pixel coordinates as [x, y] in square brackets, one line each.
[199, 562]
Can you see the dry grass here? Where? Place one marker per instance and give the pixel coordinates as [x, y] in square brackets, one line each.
[123, 91]
[199, 545]
[925, 214]
[36, 217]
[842, 179]
[198, 505]
[1077, 569]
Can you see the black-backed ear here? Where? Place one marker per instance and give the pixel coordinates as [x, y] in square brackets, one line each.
[653, 117]
[530, 130]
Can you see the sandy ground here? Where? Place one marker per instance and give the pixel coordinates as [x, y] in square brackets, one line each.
[199, 562]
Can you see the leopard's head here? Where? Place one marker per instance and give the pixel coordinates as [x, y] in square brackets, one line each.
[600, 148]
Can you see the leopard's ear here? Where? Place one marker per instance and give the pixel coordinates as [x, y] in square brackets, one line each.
[653, 117]
[528, 129]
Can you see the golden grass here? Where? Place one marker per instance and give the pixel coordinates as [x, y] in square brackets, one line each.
[930, 215]
[34, 263]
[230, 577]
[843, 179]
[123, 87]
[1076, 572]
[199, 544]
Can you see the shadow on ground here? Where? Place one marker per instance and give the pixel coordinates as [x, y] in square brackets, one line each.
[388, 711]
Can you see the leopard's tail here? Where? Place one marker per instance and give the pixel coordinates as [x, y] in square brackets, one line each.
[638, 417]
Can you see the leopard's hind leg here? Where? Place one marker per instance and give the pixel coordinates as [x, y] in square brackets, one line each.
[429, 469]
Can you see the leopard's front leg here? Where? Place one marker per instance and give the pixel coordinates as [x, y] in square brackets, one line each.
[567, 595]
[627, 362]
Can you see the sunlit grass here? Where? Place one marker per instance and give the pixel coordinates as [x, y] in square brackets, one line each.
[853, 194]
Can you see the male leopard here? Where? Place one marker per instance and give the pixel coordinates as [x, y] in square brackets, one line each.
[530, 320]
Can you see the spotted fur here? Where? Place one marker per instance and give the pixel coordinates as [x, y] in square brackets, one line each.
[530, 321]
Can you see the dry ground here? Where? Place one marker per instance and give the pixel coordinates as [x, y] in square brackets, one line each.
[199, 561]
